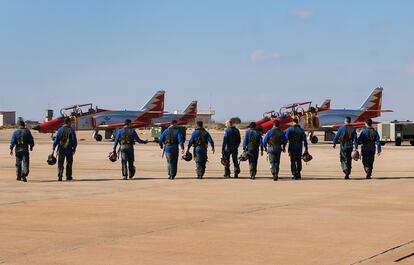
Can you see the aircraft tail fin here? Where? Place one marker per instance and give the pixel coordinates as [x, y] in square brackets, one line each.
[156, 103]
[374, 101]
[189, 113]
[326, 105]
[191, 109]
[372, 106]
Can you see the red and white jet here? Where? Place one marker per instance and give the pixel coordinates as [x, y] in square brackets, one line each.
[97, 119]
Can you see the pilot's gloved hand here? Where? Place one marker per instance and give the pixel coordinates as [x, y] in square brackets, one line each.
[161, 146]
[334, 146]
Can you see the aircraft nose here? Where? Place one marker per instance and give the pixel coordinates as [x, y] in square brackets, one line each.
[37, 128]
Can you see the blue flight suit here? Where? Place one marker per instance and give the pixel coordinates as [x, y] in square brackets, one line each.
[347, 137]
[66, 143]
[370, 141]
[200, 139]
[21, 140]
[252, 142]
[274, 142]
[170, 139]
[230, 148]
[127, 137]
[296, 136]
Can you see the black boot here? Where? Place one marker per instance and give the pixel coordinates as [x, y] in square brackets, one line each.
[346, 176]
[236, 173]
[24, 179]
[275, 177]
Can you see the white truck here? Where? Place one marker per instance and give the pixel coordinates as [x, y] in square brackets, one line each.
[396, 131]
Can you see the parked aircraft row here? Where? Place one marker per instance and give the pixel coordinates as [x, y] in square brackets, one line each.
[324, 118]
[312, 118]
[86, 117]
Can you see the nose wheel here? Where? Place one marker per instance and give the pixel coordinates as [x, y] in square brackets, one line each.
[313, 138]
[97, 137]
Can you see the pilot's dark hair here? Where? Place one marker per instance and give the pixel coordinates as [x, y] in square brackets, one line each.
[66, 121]
[368, 122]
[348, 119]
[21, 123]
[174, 122]
[252, 125]
[128, 122]
[295, 120]
[276, 123]
[199, 124]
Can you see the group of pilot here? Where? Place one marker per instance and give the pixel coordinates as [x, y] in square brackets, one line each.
[172, 143]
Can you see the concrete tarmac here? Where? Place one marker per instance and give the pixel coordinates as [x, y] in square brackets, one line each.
[100, 219]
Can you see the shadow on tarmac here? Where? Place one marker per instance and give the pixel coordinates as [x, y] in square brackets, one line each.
[220, 178]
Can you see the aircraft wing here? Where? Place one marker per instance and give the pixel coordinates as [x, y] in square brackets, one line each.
[356, 125]
[163, 124]
[293, 105]
[168, 123]
[135, 124]
[378, 111]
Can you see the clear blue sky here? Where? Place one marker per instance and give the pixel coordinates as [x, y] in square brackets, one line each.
[246, 56]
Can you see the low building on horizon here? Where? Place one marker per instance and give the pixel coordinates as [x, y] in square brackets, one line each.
[7, 119]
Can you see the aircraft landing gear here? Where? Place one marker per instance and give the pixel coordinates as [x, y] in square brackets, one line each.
[97, 136]
[313, 138]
